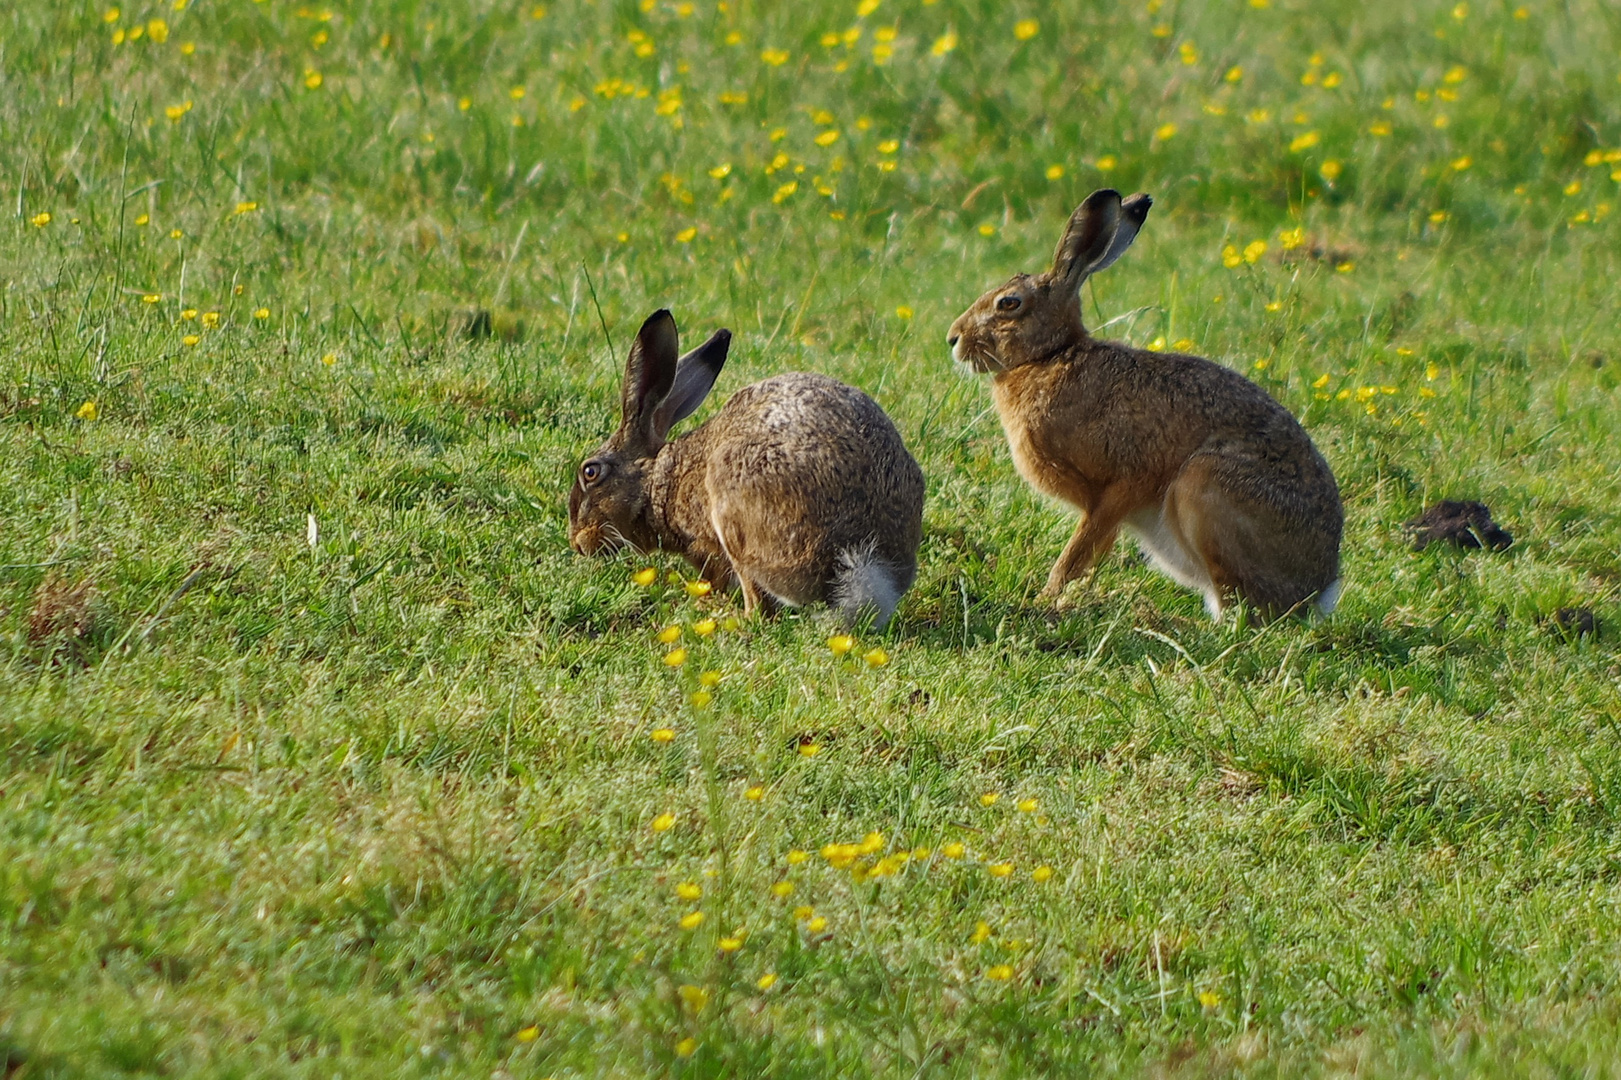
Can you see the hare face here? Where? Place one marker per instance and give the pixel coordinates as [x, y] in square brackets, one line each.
[608, 508]
[1021, 321]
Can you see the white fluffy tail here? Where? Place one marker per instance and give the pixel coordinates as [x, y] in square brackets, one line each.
[1330, 597]
[863, 583]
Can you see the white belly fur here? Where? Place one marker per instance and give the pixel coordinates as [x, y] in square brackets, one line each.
[1165, 551]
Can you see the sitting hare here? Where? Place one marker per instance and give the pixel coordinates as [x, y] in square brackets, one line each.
[1218, 482]
[799, 488]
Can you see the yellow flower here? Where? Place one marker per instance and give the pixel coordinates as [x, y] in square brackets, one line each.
[721, 171]
[1028, 806]
[944, 43]
[1254, 250]
[528, 1034]
[1432, 372]
[816, 925]
[175, 234]
[981, 934]
[211, 318]
[775, 57]
[903, 312]
[704, 627]
[175, 112]
[766, 981]
[111, 15]
[1025, 29]
[809, 749]
[989, 798]
[645, 577]
[866, 7]
[686, 1047]
[1234, 74]
[1000, 972]
[876, 658]
[1189, 52]
[245, 207]
[1304, 142]
[1000, 869]
[675, 658]
[663, 822]
[827, 138]
[152, 298]
[710, 679]
[1164, 131]
[1274, 305]
[1321, 381]
[889, 146]
[689, 890]
[755, 793]
[312, 79]
[1042, 873]
[1438, 216]
[730, 944]
[157, 30]
[783, 192]
[803, 913]
[698, 588]
[670, 634]
[1209, 999]
[841, 644]
[782, 890]
[1574, 187]
[662, 735]
[41, 219]
[143, 219]
[692, 920]
[953, 850]
[1380, 128]
[1462, 163]
[987, 229]
[261, 313]
[1345, 267]
[685, 235]
[1330, 170]
[464, 103]
[189, 314]
[87, 411]
[795, 857]
[1055, 172]
[1262, 364]
[1230, 257]
[190, 340]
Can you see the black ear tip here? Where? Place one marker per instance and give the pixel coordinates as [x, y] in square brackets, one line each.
[722, 338]
[658, 318]
[1103, 195]
[1136, 208]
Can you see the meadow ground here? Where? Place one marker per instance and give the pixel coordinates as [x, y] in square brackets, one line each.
[321, 755]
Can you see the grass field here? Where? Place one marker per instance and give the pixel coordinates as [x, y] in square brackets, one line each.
[321, 755]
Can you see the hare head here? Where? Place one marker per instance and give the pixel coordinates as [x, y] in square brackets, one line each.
[1032, 317]
[609, 506]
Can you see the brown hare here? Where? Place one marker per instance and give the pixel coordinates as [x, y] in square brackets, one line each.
[798, 490]
[1218, 482]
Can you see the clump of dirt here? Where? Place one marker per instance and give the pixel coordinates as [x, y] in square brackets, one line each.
[1463, 524]
[67, 619]
[1573, 622]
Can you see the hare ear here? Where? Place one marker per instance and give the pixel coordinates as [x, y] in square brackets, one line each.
[1087, 238]
[695, 376]
[1133, 212]
[649, 374]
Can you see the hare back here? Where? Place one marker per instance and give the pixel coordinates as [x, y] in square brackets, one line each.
[1102, 414]
[809, 485]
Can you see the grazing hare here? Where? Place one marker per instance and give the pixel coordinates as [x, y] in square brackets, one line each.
[1218, 482]
[799, 489]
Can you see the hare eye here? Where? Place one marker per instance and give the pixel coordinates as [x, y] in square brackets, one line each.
[591, 472]
[1008, 303]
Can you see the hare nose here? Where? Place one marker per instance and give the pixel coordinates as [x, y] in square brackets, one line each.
[953, 339]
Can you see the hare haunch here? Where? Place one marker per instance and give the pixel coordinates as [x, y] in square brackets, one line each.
[799, 489]
[1218, 482]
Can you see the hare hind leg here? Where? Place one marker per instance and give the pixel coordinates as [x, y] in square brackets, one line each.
[1245, 547]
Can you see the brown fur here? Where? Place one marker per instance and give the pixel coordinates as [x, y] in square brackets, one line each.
[1220, 483]
[798, 490]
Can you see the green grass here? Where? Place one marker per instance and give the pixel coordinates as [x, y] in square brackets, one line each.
[381, 804]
